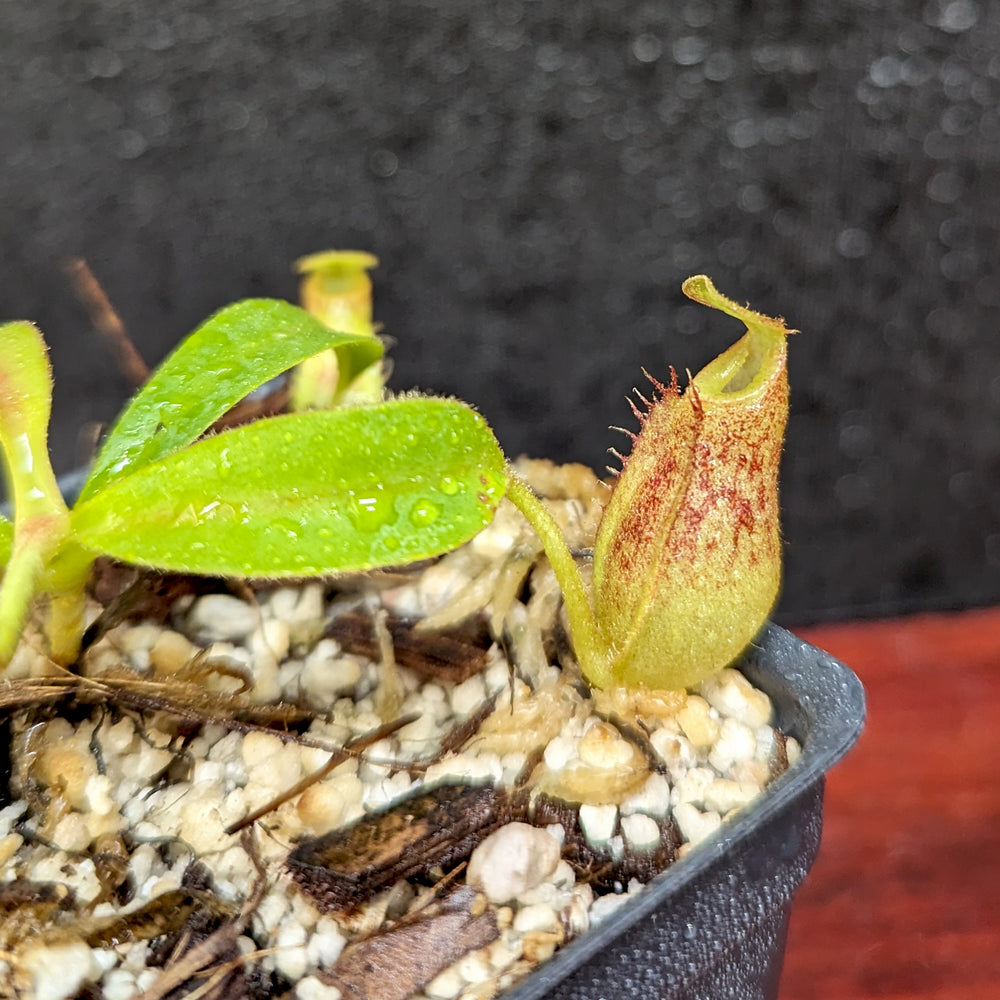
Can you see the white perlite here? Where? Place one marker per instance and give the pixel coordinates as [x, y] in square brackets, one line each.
[173, 792]
[511, 860]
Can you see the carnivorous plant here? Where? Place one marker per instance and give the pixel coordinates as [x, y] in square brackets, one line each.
[687, 558]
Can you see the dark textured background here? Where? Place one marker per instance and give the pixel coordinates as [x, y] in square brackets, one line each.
[537, 179]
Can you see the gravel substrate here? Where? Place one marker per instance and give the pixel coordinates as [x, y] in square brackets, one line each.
[123, 795]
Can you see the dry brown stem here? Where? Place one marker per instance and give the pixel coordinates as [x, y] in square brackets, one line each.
[107, 322]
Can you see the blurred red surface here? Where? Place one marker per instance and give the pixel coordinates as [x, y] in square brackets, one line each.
[904, 900]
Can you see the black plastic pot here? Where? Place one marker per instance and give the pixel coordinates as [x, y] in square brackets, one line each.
[715, 925]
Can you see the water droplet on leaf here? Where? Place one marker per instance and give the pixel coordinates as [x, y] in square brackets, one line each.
[371, 509]
[424, 512]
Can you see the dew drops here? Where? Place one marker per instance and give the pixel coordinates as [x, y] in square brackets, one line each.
[187, 516]
[448, 486]
[372, 509]
[391, 542]
[424, 512]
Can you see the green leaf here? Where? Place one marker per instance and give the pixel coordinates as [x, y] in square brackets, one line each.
[238, 349]
[307, 494]
[40, 516]
[25, 405]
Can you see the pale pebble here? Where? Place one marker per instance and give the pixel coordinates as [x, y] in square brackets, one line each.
[616, 847]
[500, 535]
[736, 742]
[695, 825]
[563, 877]
[202, 823]
[327, 673]
[603, 746]
[445, 985]
[375, 766]
[577, 915]
[559, 751]
[326, 943]
[291, 957]
[652, 798]
[232, 869]
[548, 893]
[642, 833]
[415, 735]
[320, 807]
[692, 785]
[734, 696]
[146, 761]
[271, 910]
[793, 750]
[118, 740]
[467, 768]
[537, 917]
[10, 814]
[145, 979]
[604, 906]
[221, 617]
[503, 953]
[104, 958]
[282, 602]
[273, 637]
[754, 772]
[387, 791]
[676, 751]
[311, 988]
[696, 721]
[172, 652]
[9, 846]
[141, 861]
[598, 823]
[439, 584]
[513, 764]
[136, 640]
[58, 971]
[264, 667]
[468, 696]
[474, 967]
[64, 766]
[511, 860]
[723, 795]
[81, 877]
[71, 833]
[208, 772]
[118, 984]
[497, 676]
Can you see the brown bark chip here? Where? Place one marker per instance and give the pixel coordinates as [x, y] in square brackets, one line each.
[345, 868]
[396, 963]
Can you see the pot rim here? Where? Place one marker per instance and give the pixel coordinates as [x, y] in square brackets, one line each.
[820, 702]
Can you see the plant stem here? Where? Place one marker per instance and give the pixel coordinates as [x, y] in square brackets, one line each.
[19, 581]
[65, 581]
[588, 643]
